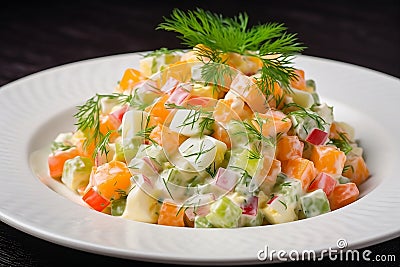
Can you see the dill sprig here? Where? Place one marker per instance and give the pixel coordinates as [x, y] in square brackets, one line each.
[269, 42]
[200, 152]
[254, 154]
[255, 133]
[212, 170]
[343, 143]
[196, 114]
[60, 146]
[301, 112]
[88, 119]
[101, 146]
[145, 133]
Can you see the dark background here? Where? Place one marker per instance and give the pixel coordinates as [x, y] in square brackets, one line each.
[39, 35]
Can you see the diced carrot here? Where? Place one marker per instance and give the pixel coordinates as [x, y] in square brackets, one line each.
[336, 130]
[130, 78]
[248, 90]
[221, 134]
[155, 134]
[289, 147]
[110, 178]
[301, 169]
[273, 122]
[57, 159]
[328, 159]
[275, 96]
[109, 123]
[223, 112]
[158, 113]
[85, 150]
[170, 140]
[299, 82]
[357, 170]
[171, 214]
[227, 110]
[342, 195]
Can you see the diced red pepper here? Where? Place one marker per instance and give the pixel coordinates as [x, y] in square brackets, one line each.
[119, 113]
[317, 137]
[272, 199]
[95, 200]
[323, 181]
[251, 206]
[199, 101]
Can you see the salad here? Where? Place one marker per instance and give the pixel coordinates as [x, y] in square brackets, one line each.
[225, 134]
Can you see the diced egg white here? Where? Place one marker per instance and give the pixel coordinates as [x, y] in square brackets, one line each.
[302, 98]
[201, 152]
[187, 122]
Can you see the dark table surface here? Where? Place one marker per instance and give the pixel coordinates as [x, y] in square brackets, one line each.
[40, 35]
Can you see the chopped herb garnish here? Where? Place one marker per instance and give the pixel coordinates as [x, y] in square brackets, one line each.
[269, 43]
[200, 152]
[343, 143]
[60, 146]
[283, 203]
[102, 145]
[88, 119]
[301, 112]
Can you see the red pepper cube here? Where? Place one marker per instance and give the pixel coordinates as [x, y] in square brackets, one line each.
[323, 181]
[317, 137]
[95, 200]
[250, 207]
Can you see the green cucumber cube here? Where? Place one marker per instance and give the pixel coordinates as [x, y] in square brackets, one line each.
[224, 213]
[315, 203]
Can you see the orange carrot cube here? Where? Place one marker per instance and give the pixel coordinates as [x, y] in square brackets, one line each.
[273, 122]
[301, 169]
[328, 159]
[299, 82]
[57, 159]
[289, 147]
[171, 214]
[342, 195]
[130, 78]
[357, 170]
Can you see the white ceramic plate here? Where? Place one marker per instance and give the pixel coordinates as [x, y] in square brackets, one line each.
[34, 109]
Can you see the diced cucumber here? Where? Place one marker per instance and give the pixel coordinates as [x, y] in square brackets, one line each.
[118, 207]
[343, 180]
[202, 222]
[224, 213]
[248, 220]
[314, 203]
[76, 172]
